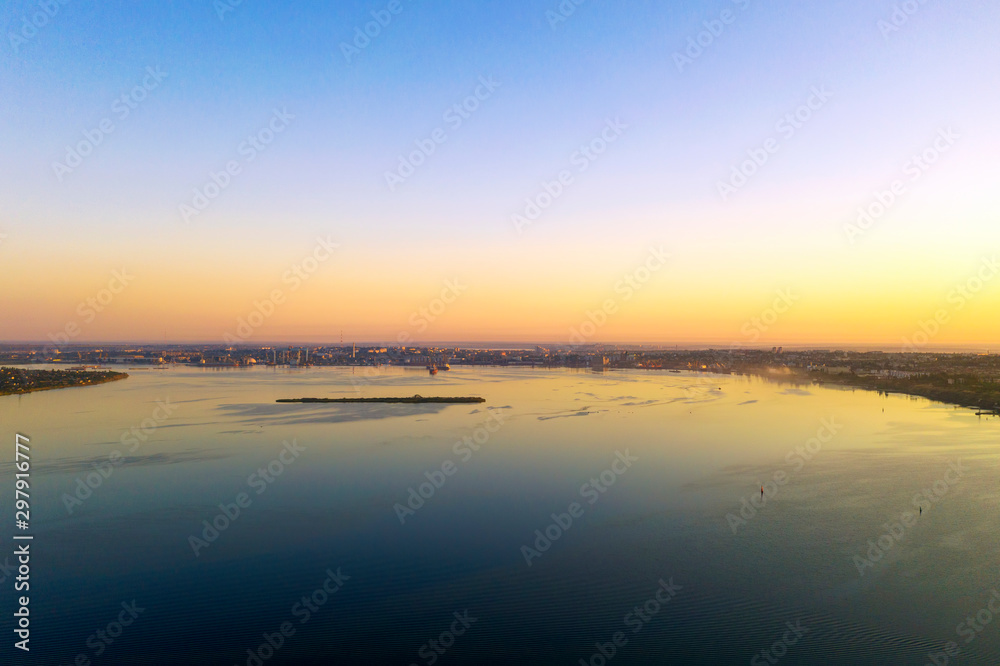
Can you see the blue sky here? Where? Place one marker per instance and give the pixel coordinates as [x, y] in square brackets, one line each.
[558, 86]
[892, 91]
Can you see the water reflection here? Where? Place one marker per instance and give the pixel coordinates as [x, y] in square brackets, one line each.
[704, 445]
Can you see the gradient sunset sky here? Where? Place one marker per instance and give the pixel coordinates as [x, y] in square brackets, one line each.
[892, 92]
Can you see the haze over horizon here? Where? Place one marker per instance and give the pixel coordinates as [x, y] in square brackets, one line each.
[361, 343]
[284, 123]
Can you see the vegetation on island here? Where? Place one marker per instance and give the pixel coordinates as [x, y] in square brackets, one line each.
[21, 380]
[963, 390]
[415, 399]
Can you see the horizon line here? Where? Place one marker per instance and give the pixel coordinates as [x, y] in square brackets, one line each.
[518, 344]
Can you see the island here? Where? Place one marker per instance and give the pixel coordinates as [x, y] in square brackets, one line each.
[414, 399]
[962, 378]
[19, 380]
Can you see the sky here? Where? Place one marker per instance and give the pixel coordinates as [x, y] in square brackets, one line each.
[529, 171]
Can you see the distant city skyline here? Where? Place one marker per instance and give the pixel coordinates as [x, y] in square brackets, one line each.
[674, 173]
[498, 345]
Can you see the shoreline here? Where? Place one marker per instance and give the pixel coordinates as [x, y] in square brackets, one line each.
[415, 399]
[92, 378]
[984, 399]
[986, 403]
[964, 390]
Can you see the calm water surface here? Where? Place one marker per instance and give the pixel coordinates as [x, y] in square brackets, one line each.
[338, 501]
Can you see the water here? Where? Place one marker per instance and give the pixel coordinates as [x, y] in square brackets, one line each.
[672, 457]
